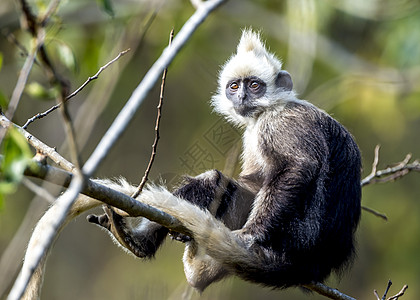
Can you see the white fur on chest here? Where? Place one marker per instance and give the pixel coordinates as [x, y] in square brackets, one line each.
[252, 157]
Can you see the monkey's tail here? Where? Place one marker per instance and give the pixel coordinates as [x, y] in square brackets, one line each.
[223, 244]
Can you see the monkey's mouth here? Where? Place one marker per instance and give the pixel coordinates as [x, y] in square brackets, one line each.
[246, 110]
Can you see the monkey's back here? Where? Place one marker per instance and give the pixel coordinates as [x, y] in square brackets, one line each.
[317, 161]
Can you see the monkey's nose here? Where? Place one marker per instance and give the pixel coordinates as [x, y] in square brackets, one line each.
[242, 97]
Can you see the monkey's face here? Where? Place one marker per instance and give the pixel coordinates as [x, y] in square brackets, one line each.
[251, 81]
[244, 94]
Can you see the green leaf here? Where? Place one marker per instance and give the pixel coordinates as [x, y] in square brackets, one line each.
[38, 91]
[66, 56]
[1, 60]
[4, 102]
[107, 6]
[17, 156]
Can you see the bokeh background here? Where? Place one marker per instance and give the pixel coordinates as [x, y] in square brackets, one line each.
[358, 60]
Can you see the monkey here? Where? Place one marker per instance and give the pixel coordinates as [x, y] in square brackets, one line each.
[290, 217]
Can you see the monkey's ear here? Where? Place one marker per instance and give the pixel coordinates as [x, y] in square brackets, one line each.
[284, 81]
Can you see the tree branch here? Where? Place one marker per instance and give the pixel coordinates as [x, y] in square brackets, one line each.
[389, 174]
[106, 195]
[395, 297]
[392, 173]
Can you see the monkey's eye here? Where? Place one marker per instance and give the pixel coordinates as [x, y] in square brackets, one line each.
[234, 86]
[254, 85]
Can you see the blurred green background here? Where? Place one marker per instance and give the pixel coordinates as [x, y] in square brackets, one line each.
[358, 60]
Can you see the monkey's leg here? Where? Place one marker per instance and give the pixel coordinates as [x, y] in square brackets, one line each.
[225, 199]
[138, 235]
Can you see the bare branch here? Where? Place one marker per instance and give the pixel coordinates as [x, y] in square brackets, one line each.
[375, 213]
[23, 77]
[106, 195]
[43, 193]
[391, 173]
[157, 136]
[51, 9]
[395, 297]
[400, 293]
[326, 291]
[96, 76]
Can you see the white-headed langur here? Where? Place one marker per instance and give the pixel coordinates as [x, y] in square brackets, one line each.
[290, 217]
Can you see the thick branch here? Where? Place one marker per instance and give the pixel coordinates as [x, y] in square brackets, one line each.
[107, 195]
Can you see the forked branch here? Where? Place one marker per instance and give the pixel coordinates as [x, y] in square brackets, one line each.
[395, 297]
[391, 173]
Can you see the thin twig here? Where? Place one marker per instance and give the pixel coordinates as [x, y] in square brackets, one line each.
[375, 212]
[23, 78]
[400, 293]
[395, 297]
[38, 190]
[391, 173]
[14, 41]
[45, 113]
[134, 33]
[387, 289]
[51, 9]
[327, 291]
[38, 36]
[157, 136]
